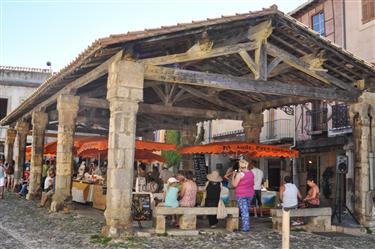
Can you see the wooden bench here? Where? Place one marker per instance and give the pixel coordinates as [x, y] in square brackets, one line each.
[188, 218]
[319, 219]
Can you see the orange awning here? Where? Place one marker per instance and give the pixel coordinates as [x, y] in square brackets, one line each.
[154, 146]
[146, 156]
[252, 150]
[92, 146]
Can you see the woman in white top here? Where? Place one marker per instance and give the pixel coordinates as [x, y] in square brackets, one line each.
[289, 194]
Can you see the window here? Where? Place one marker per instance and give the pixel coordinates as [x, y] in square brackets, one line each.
[3, 108]
[318, 23]
[368, 10]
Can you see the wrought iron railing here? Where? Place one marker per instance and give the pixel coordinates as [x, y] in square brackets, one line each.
[3, 132]
[340, 116]
[317, 121]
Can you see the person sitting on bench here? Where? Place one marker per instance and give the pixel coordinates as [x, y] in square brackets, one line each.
[49, 188]
[312, 199]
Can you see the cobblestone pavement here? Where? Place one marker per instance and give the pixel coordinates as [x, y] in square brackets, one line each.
[24, 225]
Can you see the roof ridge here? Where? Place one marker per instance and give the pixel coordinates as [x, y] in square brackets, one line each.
[25, 69]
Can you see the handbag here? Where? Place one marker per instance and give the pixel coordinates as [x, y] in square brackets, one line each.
[221, 210]
[203, 201]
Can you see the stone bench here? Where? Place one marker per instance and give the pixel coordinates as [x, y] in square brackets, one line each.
[319, 219]
[188, 218]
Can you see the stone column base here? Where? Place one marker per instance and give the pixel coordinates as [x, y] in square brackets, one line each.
[117, 232]
[59, 202]
[32, 196]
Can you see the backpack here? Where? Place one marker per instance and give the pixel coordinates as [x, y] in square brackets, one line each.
[9, 170]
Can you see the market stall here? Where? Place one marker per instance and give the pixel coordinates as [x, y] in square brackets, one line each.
[93, 190]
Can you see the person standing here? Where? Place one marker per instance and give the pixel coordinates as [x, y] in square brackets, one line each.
[2, 179]
[258, 180]
[9, 170]
[228, 176]
[165, 174]
[243, 181]
[45, 169]
[213, 189]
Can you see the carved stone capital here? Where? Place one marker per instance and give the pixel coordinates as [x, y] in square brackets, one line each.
[11, 135]
[39, 121]
[22, 128]
[125, 81]
[67, 107]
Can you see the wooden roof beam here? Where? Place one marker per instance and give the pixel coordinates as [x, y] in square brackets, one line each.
[305, 67]
[166, 110]
[226, 82]
[279, 102]
[212, 99]
[196, 54]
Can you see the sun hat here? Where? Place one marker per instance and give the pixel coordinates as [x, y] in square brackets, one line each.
[214, 176]
[172, 180]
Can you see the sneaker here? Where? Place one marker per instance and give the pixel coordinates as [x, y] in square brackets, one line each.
[297, 223]
[213, 226]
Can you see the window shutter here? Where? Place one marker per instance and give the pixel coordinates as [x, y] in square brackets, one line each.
[364, 10]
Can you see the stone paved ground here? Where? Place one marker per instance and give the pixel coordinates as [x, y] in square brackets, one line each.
[23, 225]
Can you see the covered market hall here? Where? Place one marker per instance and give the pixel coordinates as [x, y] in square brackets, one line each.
[234, 67]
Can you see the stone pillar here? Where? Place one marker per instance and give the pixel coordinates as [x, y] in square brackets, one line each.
[11, 137]
[252, 125]
[67, 108]
[125, 91]
[22, 129]
[39, 121]
[360, 114]
[188, 137]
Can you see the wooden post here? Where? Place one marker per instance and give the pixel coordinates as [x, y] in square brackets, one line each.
[285, 229]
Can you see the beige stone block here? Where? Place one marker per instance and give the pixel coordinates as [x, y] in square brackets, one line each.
[232, 223]
[160, 227]
[188, 222]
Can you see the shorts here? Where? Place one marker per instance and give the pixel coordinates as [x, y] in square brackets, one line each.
[2, 182]
[257, 197]
[10, 177]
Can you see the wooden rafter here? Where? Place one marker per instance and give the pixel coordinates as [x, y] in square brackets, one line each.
[186, 77]
[212, 99]
[305, 67]
[164, 110]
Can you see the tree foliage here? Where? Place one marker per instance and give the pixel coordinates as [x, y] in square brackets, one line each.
[172, 157]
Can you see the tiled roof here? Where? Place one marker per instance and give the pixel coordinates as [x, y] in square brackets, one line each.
[25, 69]
[301, 7]
[56, 81]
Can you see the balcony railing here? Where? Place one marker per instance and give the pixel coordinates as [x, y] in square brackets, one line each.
[3, 133]
[340, 120]
[317, 121]
[277, 130]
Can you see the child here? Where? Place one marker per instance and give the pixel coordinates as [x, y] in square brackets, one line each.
[172, 193]
[171, 196]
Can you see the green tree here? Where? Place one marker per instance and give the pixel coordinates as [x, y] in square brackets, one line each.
[172, 157]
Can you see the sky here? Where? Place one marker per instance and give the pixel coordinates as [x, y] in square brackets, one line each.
[33, 32]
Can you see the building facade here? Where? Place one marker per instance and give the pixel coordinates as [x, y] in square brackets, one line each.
[16, 84]
[324, 130]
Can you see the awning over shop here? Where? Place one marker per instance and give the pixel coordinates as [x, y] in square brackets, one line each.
[252, 150]
[94, 146]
